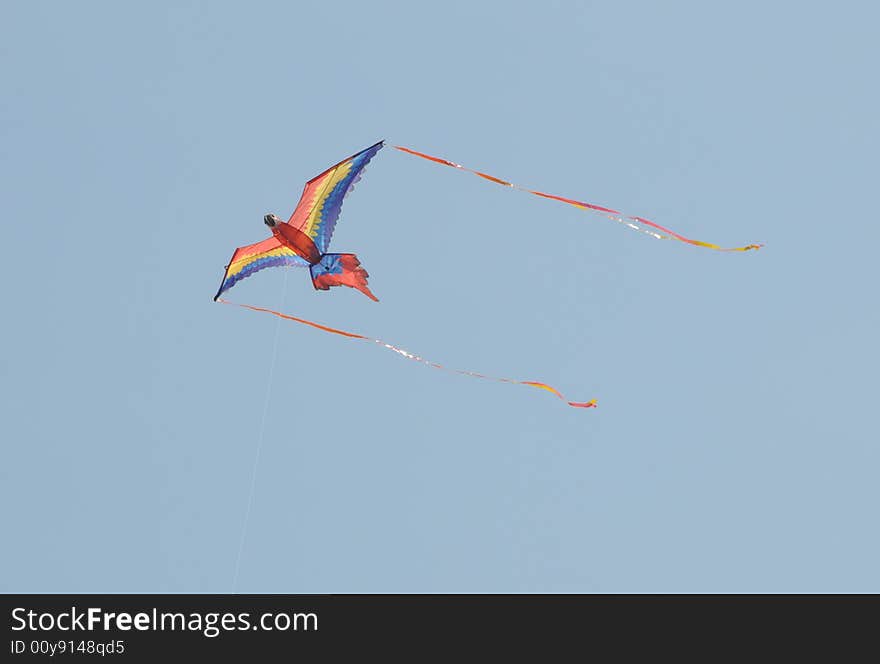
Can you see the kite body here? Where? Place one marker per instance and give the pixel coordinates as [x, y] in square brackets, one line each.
[303, 240]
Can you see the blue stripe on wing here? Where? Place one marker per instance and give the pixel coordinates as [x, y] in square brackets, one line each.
[291, 260]
[333, 200]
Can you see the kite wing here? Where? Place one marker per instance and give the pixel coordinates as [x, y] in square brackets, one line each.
[255, 257]
[321, 201]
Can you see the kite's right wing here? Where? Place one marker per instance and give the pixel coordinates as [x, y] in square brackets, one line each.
[321, 201]
[253, 258]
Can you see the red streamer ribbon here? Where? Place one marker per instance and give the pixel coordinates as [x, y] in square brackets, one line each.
[411, 356]
[635, 223]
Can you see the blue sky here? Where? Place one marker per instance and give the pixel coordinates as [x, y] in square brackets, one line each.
[735, 447]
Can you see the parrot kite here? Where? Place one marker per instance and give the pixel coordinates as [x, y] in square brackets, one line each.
[303, 240]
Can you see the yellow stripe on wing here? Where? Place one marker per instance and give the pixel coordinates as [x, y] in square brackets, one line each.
[316, 215]
[237, 266]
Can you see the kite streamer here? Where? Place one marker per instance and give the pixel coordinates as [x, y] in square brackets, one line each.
[636, 223]
[411, 356]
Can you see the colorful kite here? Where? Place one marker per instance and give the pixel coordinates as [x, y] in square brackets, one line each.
[303, 241]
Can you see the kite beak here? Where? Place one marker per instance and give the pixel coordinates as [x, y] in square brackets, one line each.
[270, 220]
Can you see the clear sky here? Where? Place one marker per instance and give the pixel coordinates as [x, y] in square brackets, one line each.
[736, 444]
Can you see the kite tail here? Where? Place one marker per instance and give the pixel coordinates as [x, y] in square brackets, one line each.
[639, 224]
[411, 356]
[341, 270]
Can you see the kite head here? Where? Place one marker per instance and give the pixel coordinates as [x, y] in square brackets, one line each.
[271, 220]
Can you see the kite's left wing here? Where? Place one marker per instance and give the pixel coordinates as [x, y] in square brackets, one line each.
[255, 257]
[321, 201]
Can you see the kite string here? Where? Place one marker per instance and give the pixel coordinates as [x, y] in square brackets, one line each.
[411, 356]
[250, 501]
